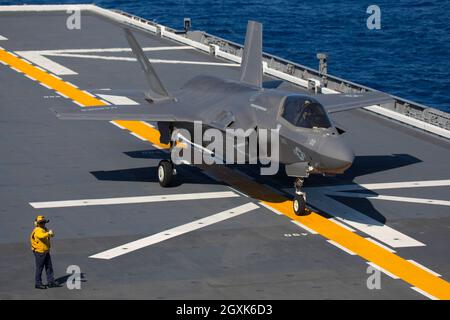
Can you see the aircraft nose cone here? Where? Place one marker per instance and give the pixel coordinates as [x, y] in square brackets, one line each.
[336, 155]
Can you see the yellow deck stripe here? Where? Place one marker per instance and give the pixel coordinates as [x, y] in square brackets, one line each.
[391, 262]
[57, 84]
[75, 94]
[144, 131]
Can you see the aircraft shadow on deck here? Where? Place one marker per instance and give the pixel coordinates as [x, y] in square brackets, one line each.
[188, 174]
[362, 165]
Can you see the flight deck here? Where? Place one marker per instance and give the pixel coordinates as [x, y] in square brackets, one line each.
[222, 232]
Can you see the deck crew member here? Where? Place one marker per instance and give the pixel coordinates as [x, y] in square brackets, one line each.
[40, 244]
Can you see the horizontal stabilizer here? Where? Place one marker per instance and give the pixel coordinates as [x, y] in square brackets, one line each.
[348, 101]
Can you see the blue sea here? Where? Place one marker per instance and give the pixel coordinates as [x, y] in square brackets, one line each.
[409, 56]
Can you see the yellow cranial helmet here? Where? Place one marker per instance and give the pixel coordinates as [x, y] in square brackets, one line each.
[40, 219]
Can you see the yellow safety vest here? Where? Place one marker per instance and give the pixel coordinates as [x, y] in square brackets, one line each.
[40, 240]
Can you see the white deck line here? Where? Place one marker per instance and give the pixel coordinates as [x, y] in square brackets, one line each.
[139, 199]
[89, 94]
[319, 198]
[30, 77]
[390, 198]
[301, 225]
[239, 192]
[341, 247]
[162, 48]
[37, 67]
[77, 103]
[45, 86]
[117, 125]
[148, 124]
[72, 84]
[424, 268]
[51, 66]
[393, 276]
[116, 58]
[105, 102]
[342, 224]
[138, 136]
[390, 185]
[380, 245]
[62, 95]
[270, 208]
[429, 296]
[43, 8]
[3, 38]
[118, 100]
[174, 232]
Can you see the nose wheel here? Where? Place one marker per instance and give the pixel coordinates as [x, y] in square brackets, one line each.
[299, 203]
[166, 173]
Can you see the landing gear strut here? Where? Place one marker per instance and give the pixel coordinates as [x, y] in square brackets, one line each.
[299, 203]
[166, 173]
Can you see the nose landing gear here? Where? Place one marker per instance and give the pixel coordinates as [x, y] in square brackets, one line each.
[299, 203]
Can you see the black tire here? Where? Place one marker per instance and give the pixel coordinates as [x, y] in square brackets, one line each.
[165, 173]
[299, 205]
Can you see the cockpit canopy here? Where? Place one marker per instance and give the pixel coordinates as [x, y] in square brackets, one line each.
[304, 113]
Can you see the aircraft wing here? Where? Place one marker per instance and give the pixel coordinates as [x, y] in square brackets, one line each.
[347, 101]
[164, 111]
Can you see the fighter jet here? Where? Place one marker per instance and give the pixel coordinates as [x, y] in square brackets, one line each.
[309, 141]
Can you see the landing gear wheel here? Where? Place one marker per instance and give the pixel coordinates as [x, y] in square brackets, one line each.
[165, 173]
[299, 205]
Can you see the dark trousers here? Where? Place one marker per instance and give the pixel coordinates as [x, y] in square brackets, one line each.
[43, 260]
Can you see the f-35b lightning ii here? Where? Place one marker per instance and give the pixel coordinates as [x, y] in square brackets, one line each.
[309, 142]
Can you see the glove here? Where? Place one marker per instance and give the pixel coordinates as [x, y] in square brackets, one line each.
[50, 232]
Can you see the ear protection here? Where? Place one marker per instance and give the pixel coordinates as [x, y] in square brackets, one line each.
[38, 220]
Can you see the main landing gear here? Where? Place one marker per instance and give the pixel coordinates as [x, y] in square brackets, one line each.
[166, 173]
[299, 203]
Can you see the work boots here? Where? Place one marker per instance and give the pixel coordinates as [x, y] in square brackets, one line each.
[53, 285]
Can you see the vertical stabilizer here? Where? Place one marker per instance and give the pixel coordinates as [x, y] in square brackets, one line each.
[251, 66]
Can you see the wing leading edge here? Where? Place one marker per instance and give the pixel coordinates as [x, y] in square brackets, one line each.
[348, 101]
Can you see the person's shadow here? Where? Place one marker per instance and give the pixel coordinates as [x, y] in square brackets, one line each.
[61, 281]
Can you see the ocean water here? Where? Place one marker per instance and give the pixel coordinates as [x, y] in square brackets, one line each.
[409, 56]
